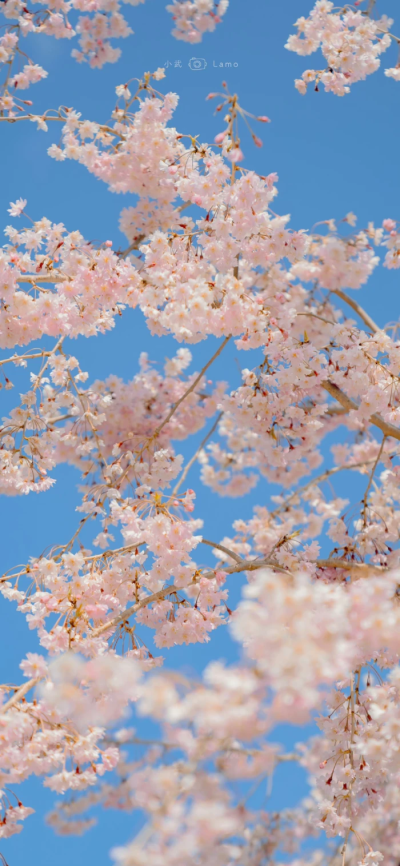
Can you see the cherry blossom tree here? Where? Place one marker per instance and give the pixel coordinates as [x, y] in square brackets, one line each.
[319, 621]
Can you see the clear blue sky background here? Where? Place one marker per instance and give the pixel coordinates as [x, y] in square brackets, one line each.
[332, 155]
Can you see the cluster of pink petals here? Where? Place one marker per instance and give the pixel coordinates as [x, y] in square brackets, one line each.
[96, 23]
[67, 750]
[351, 43]
[392, 242]
[81, 286]
[193, 18]
[89, 593]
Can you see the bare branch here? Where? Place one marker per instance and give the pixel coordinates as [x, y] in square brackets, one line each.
[357, 309]
[196, 454]
[191, 388]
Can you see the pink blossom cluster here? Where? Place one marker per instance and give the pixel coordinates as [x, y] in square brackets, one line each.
[282, 437]
[38, 739]
[58, 421]
[204, 293]
[30, 74]
[341, 623]
[354, 764]
[99, 24]
[193, 18]
[54, 283]
[80, 600]
[392, 242]
[351, 42]
[94, 692]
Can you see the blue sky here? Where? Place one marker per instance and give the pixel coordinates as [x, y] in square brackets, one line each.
[332, 155]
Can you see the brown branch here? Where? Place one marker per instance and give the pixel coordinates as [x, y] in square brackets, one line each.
[133, 246]
[20, 693]
[46, 278]
[251, 565]
[346, 565]
[372, 473]
[190, 389]
[357, 309]
[196, 454]
[156, 596]
[15, 358]
[348, 404]
[316, 316]
[223, 549]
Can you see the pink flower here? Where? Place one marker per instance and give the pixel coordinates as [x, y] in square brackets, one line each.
[17, 207]
[235, 155]
[389, 225]
[34, 665]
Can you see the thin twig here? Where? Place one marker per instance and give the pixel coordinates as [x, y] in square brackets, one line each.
[372, 473]
[315, 481]
[190, 389]
[15, 358]
[316, 316]
[196, 454]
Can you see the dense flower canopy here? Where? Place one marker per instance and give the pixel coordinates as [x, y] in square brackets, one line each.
[206, 259]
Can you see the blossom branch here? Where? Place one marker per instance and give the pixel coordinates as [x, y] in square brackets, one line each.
[350, 405]
[223, 549]
[20, 693]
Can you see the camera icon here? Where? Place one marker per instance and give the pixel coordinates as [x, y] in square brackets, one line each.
[197, 63]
